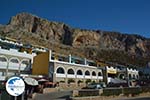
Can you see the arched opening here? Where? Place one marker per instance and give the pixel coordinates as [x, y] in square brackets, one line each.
[14, 63]
[122, 76]
[79, 72]
[3, 62]
[93, 73]
[87, 73]
[130, 76]
[3, 59]
[71, 71]
[14, 60]
[137, 76]
[25, 64]
[133, 76]
[99, 74]
[60, 70]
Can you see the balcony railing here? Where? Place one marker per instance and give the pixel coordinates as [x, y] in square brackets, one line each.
[3, 65]
[13, 66]
[60, 75]
[70, 76]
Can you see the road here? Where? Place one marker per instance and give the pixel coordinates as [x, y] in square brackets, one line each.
[136, 98]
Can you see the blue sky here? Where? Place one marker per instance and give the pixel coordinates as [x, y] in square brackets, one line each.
[126, 16]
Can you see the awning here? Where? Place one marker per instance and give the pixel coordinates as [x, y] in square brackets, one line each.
[112, 71]
[42, 80]
[31, 81]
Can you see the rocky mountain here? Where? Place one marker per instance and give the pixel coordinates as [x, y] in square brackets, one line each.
[94, 44]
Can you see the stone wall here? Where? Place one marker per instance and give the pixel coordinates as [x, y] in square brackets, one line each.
[120, 97]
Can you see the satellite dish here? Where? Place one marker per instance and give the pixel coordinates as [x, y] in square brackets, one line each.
[31, 81]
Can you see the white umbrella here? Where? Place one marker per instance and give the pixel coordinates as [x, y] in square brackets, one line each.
[31, 81]
[42, 80]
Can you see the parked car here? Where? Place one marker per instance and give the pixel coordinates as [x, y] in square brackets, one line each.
[103, 85]
[96, 85]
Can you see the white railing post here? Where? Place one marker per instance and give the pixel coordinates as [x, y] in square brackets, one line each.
[50, 55]
[70, 58]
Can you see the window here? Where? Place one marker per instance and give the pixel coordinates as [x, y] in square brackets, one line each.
[133, 76]
[60, 70]
[99, 74]
[122, 76]
[87, 73]
[3, 59]
[137, 76]
[26, 62]
[14, 61]
[79, 72]
[130, 76]
[93, 73]
[70, 71]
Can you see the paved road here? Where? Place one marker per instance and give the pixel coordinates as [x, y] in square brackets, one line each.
[136, 98]
[61, 95]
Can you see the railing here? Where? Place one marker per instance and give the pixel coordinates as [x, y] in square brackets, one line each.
[60, 75]
[13, 66]
[23, 66]
[80, 76]
[87, 77]
[100, 77]
[77, 65]
[15, 53]
[3, 65]
[70, 76]
[94, 77]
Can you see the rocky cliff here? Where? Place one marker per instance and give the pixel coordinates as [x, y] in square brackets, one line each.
[95, 44]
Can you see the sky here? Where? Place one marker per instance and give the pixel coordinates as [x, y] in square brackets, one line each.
[125, 16]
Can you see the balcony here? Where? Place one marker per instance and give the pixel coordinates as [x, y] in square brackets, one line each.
[100, 77]
[94, 77]
[23, 67]
[87, 77]
[3, 65]
[60, 75]
[80, 76]
[13, 66]
[70, 76]
[15, 53]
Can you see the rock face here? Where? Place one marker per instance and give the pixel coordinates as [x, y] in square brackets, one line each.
[51, 31]
[25, 26]
[133, 44]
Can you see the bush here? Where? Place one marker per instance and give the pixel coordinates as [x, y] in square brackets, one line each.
[115, 91]
[145, 89]
[126, 91]
[79, 81]
[2, 86]
[93, 82]
[93, 92]
[71, 81]
[88, 81]
[62, 81]
[133, 91]
[109, 92]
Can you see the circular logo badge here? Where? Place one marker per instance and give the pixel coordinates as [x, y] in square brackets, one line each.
[15, 86]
